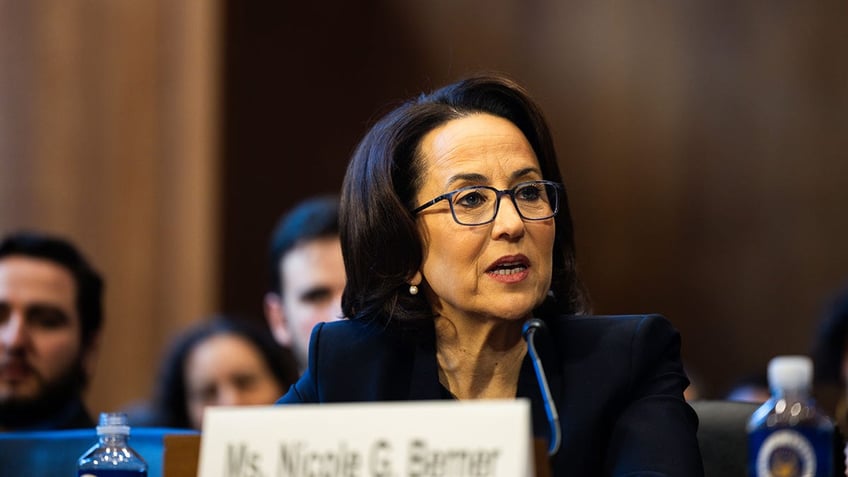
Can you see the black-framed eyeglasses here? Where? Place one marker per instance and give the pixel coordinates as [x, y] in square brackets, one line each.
[478, 205]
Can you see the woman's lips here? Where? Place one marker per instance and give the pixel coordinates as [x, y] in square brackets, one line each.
[509, 269]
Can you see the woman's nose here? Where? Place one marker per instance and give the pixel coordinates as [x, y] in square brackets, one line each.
[508, 222]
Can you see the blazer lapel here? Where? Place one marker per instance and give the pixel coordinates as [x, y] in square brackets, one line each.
[424, 382]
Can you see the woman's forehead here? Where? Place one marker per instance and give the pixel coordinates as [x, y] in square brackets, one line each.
[480, 144]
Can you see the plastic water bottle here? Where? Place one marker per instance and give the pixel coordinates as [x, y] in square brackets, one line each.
[112, 456]
[788, 435]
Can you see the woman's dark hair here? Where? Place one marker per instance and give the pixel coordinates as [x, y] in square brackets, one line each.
[171, 396]
[380, 240]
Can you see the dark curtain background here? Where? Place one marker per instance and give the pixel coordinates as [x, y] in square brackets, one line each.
[703, 144]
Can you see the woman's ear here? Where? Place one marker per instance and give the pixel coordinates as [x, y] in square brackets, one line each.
[275, 313]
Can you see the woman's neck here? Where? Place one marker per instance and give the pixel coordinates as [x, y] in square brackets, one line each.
[479, 359]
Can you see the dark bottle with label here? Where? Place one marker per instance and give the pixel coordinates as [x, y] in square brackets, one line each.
[112, 456]
[788, 435]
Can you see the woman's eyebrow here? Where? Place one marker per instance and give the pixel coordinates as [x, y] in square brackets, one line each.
[467, 177]
[526, 172]
[480, 178]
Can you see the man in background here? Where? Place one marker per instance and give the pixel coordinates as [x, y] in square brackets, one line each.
[50, 320]
[306, 273]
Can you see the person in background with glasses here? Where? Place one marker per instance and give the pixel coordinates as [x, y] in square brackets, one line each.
[456, 232]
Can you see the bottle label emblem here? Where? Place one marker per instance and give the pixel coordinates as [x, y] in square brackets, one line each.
[786, 453]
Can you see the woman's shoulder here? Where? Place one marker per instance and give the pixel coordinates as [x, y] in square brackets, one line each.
[354, 333]
[357, 360]
[629, 328]
[345, 330]
[621, 348]
[607, 321]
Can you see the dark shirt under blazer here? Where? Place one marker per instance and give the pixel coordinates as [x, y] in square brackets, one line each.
[617, 382]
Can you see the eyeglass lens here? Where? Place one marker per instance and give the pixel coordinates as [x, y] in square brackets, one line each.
[478, 205]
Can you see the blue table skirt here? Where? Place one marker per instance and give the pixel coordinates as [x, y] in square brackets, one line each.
[55, 453]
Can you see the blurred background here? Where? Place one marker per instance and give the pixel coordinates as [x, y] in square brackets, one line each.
[703, 144]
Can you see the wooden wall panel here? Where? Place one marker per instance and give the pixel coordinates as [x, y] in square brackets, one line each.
[109, 137]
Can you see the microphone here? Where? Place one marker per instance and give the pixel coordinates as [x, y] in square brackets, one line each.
[528, 331]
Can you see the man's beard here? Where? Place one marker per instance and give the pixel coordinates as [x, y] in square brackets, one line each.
[52, 398]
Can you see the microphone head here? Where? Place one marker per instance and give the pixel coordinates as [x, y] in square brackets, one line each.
[532, 324]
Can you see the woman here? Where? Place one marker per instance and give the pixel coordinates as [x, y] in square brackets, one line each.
[220, 362]
[455, 232]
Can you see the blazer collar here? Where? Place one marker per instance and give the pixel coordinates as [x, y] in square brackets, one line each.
[425, 385]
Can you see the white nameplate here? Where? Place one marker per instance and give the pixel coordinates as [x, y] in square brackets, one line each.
[483, 438]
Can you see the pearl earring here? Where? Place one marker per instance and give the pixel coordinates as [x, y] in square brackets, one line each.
[413, 290]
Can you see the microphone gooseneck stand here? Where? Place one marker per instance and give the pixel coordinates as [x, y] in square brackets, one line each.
[528, 332]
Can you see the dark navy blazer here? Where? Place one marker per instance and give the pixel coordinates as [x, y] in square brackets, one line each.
[617, 382]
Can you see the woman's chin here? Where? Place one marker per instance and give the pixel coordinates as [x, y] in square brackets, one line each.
[513, 311]
[517, 307]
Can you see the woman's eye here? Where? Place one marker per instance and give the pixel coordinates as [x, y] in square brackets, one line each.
[529, 193]
[471, 199]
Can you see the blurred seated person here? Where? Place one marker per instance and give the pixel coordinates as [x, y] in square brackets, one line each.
[693, 391]
[50, 318]
[222, 361]
[752, 388]
[830, 356]
[455, 231]
[306, 273]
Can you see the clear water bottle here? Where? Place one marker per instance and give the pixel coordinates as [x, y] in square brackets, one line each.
[112, 456]
[788, 435]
